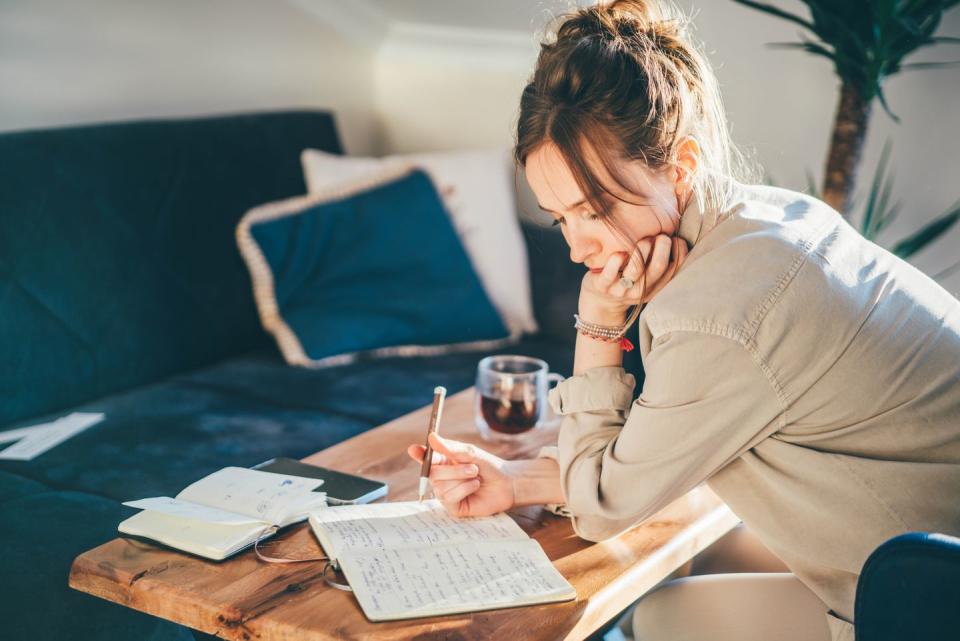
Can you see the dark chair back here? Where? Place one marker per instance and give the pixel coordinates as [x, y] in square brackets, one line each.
[910, 589]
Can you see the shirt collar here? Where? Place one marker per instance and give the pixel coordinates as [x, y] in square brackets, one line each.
[696, 221]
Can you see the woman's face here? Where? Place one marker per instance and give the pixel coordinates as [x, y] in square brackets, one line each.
[649, 208]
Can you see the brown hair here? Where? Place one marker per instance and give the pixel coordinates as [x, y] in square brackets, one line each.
[624, 80]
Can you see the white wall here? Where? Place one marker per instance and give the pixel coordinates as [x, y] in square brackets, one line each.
[398, 86]
[447, 88]
[442, 88]
[67, 61]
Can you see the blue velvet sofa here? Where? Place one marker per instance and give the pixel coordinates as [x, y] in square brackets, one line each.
[122, 292]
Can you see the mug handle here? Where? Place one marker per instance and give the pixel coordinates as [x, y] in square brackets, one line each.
[551, 419]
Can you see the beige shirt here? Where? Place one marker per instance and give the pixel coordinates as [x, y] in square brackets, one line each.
[811, 377]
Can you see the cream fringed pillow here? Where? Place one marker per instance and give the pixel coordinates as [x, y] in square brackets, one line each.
[477, 191]
[372, 270]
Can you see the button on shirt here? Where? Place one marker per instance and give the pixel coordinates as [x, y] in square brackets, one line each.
[809, 376]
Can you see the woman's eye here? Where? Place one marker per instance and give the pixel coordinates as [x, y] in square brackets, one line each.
[557, 221]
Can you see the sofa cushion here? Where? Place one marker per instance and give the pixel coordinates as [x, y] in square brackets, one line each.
[40, 537]
[376, 267]
[157, 439]
[13, 486]
[117, 257]
[477, 187]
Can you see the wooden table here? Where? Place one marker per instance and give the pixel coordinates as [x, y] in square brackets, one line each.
[244, 598]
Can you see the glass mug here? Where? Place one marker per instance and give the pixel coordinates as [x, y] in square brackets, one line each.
[511, 396]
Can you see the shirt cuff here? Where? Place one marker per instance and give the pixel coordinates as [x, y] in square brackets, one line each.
[560, 509]
[600, 388]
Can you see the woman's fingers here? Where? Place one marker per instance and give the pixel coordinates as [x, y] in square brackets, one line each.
[416, 452]
[662, 256]
[451, 493]
[611, 271]
[453, 472]
[635, 277]
[453, 451]
[659, 260]
[634, 269]
[676, 256]
[644, 245]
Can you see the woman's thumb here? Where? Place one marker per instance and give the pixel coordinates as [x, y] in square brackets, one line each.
[455, 451]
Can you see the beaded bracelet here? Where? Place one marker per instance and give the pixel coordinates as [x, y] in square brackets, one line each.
[605, 333]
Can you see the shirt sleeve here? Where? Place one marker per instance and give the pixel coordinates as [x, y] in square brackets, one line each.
[705, 401]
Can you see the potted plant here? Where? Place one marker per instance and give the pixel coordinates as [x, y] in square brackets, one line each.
[867, 42]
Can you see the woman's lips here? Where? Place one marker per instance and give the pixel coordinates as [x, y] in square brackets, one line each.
[599, 270]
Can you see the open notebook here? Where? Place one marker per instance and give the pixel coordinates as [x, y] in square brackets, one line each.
[225, 512]
[407, 560]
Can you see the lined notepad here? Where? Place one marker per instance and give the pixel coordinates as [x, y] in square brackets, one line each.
[407, 560]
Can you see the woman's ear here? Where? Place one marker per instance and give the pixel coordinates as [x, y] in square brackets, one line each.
[687, 163]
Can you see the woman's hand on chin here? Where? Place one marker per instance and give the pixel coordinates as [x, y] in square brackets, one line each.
[624, 282]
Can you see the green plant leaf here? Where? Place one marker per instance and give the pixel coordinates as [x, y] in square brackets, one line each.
[774, 11]
[927, 234]
[946, 272]
[886, 107]
[832, 21]
[878, 214]
[867, 227]
[891, 215]
[809, 47]
[929, 65]
[886, 213]
[867, 41]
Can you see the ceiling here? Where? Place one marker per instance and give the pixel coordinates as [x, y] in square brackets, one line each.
[508, 15]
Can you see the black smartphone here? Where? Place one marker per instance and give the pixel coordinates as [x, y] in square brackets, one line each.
[341, 488]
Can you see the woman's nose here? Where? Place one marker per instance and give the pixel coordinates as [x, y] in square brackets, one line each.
[581, 247]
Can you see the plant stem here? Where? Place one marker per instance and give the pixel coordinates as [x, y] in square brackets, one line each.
[846, 146]
[946, 272]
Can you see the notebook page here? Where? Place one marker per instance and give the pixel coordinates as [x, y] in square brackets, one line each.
[211, 540]
[378, 526]
[193, 511]
[269, 497]
[403, 583]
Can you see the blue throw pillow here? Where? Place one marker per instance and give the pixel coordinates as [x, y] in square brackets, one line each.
[376, 269]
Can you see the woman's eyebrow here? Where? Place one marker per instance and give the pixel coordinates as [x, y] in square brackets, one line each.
[610, 202]
[573, 206]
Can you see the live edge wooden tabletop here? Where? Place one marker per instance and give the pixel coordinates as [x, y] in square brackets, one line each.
[245, 598]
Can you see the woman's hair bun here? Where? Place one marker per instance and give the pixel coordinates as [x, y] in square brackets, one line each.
[625, 20]
[625, 78]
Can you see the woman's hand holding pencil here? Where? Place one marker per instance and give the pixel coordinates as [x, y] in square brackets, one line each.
[468, 480]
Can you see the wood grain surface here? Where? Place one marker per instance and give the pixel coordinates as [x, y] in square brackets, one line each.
[245, 598]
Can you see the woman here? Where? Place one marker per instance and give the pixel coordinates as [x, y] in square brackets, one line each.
[812, 378]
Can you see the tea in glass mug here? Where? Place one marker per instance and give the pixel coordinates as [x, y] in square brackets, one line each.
[511, 396]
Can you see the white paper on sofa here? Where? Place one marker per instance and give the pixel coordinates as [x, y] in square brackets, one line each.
[37, 439]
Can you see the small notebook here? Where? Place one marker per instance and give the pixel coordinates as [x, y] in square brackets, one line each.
[225, 512]
[408, 560]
